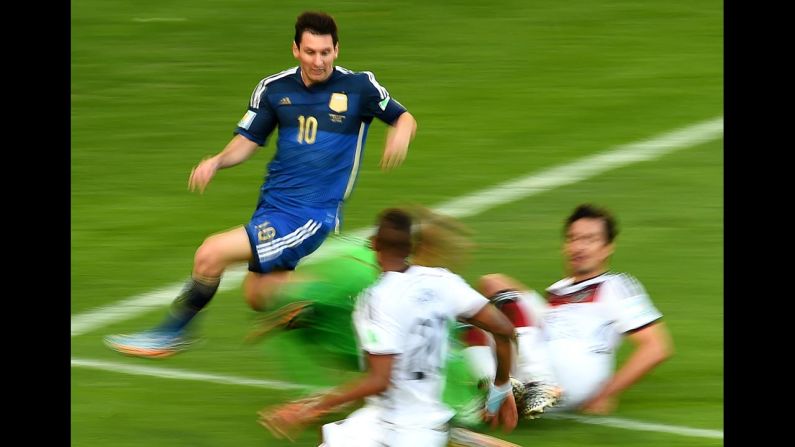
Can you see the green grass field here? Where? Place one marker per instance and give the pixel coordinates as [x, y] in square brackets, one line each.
[499, 89]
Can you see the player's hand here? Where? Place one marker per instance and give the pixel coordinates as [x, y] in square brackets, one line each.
[600, 406]
[393, 156]
[201, 174]
[506, 415]
[398, 137]
[288, 420]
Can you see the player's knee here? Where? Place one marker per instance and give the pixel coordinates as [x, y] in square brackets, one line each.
[258, 291]
[208, 260]
[489, 285]
[253, 296]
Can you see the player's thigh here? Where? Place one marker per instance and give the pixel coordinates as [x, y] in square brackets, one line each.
[260, 289]
[580, 373]
[225, 248]
[275, 279]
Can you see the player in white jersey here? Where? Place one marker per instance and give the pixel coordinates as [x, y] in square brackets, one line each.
[402, 327]
[570, 339]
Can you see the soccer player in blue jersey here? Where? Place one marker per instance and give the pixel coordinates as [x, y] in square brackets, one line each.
[323, 113]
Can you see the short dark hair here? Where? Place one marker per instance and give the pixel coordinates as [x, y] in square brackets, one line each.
[588, 211]
[394, 232]
[318, 23]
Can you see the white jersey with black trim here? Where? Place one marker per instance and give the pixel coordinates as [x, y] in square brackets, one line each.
[597, 311]
[408, 314]
[583, 326]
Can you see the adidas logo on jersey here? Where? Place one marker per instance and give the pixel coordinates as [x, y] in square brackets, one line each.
[285, 101]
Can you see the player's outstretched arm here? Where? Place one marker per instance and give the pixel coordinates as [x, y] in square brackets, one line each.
[287, 420]
[652, 346]
[238, 150]
[398, 137]
[379, 374]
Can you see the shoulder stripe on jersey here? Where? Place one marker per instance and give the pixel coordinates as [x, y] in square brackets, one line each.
[621, 286]
[256, 96]
[375, 83]
[381, 90]
[630, 285]
[637, 287]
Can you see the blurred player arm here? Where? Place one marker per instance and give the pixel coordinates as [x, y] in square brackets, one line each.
[652, 346]
[376, 102]
[287, 420]
[376, 381]
[492, 320]
[501, 407]
[398, 136]
[238, 150]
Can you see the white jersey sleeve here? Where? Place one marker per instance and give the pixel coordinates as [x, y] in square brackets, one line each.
[378, 331]
[629, 303]
[467, 301]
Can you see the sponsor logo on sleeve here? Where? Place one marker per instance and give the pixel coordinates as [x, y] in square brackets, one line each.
[247, 119]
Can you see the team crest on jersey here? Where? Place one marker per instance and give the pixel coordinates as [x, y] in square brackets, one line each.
[338, 102]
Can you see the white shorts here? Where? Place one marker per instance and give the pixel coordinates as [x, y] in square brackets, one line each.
[364, 428]
[580, 373]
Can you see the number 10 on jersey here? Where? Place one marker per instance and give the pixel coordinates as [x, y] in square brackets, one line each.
[307, 129]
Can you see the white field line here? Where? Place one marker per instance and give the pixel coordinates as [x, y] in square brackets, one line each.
[178, 374]
[159, 19]
[582, 169]
[465, 206]
[629, 424]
